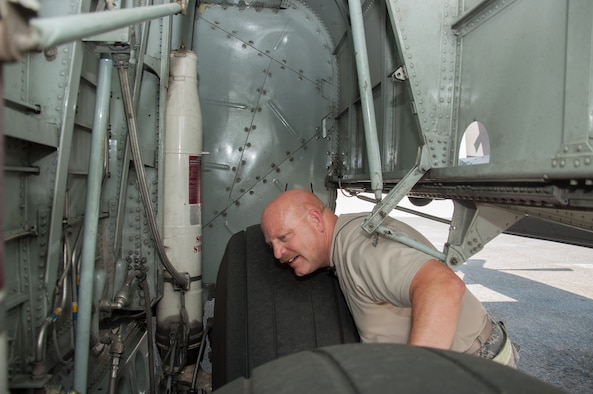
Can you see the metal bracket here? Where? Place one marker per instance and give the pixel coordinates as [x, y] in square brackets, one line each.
[324, 127]
[473, 226]
[182, 286]
[399, 75]
[382, 209]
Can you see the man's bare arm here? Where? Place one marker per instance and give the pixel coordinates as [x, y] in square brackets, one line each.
[436, 293]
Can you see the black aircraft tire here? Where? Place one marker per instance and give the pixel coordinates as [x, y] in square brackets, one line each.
[263, 311]
[384, 368]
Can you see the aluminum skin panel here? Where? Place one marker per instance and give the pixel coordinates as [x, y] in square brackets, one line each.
[264, 96]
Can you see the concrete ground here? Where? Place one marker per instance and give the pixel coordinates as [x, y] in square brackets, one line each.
[543, 291]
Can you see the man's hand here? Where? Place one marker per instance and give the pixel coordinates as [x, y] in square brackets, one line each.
[436, 293]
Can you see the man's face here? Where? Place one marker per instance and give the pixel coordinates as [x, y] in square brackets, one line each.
[294, 239]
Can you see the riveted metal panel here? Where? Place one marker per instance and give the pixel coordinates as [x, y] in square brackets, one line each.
[264, 99]
[524, 60]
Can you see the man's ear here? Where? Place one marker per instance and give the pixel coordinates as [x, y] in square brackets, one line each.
[316, 218]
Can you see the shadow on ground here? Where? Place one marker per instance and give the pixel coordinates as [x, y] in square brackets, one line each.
[553, 327]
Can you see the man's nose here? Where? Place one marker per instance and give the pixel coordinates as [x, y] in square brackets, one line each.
[278, 250]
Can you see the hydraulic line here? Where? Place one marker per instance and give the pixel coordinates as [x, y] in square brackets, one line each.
[61, 290]
[76, 252]
[91, 224]
[151, 358]
[122, 297]
[140, 61]
[116, 348]
[44, 329]
[139, 167]
[57, 350]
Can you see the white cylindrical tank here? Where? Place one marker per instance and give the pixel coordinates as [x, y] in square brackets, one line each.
[182, 220]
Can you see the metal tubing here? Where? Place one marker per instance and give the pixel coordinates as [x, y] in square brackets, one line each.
[139, 167]
[396, 194]
[47, 32]
[366, 97]
[150, 335]
[410, 211]
[91, 223]
[395, 236]
[60, 183]
[43, 331]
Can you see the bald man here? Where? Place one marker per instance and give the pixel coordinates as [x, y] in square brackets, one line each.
[396, 293]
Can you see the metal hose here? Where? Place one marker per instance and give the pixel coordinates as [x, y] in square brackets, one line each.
[180, 279]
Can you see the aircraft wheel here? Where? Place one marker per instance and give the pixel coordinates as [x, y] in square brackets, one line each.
[384, 368]
[263, 311]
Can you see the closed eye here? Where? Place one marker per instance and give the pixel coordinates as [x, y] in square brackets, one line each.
[281, 238]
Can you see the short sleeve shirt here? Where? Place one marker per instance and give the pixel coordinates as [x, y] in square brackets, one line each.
[375, 277]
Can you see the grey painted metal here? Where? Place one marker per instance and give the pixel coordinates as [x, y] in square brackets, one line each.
[576, 149]
[59, 190]
[383, 208]
[123, 147]
[475, 14]
[182, 27]
[404, 239]
[277, 119]
[140, 61]
[366, 97]
[397, 126]
[263, 105]
[421, 33]
[127, 233]
[449, 93]
[538, 129]
[582, 220]
[63, 159]
[41, 204]
[474, 225]
[91, 222]
[47, 32]
[524, 56]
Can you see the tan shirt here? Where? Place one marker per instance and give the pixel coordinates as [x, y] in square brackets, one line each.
[375, 280]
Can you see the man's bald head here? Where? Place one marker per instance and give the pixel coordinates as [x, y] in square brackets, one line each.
[292, 202]
[299, 228]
